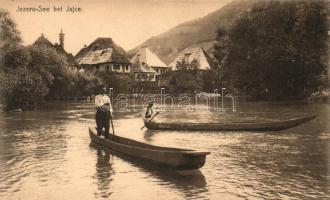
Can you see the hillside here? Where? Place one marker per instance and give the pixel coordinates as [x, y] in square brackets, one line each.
[198, 32]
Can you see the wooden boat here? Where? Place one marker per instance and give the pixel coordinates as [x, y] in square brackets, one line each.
[234, 126]
[165, 157]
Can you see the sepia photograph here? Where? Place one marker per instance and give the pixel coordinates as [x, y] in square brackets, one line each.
[164, 99]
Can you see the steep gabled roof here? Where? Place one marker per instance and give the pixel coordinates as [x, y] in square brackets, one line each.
[138, 66]
[144, 55]
[43, 41]
[102, 56]
[118, 54]
[190, 54]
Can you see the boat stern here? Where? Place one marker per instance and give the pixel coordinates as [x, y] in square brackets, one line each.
[193, 160]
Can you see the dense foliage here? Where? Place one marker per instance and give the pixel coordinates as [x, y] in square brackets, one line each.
[274, 51]
[23, 88]
[49, 69]
[119, 82]
[9, 35]
[29, 75]
[84, 84]
[187, 79]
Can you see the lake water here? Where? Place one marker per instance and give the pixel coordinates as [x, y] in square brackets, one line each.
[46, 154]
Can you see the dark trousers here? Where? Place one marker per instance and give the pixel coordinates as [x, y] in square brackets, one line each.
[102, 118]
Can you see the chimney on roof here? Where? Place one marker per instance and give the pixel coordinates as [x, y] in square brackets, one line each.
[61, 37]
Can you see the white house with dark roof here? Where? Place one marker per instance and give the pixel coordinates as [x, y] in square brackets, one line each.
[145, 57]
[146, 65]
[142, 72]
[190, 55]
[103, 55]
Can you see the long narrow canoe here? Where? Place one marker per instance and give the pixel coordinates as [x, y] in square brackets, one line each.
[165, 157]
[234, 126]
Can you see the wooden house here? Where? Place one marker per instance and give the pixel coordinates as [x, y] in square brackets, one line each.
[146, 66]
[194, 58]
[103, 55]
[146, 57]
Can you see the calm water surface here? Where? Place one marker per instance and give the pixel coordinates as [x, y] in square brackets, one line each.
[47, 155]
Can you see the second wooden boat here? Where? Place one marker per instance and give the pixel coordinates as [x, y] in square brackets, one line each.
[234, 126]
[165, 157]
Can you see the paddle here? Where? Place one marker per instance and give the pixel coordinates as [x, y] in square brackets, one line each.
[151, 119]
[113, 130]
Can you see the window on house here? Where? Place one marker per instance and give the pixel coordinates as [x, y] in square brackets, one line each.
[127, 68]
[186, 57]
[116, 67]
[97, 67]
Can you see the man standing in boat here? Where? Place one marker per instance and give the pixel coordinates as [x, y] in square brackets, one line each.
[149, 111]
[103, 113]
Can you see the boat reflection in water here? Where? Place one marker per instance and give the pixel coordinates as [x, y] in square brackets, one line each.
[188, 182]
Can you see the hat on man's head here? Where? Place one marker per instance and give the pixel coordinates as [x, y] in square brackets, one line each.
[150, 103]
[103, 88]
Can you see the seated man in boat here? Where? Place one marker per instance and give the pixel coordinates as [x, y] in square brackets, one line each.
[103, 113]
[149, 111]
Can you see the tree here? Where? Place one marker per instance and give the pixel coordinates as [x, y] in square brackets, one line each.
[22, 88]
[187, 79]
[85, 84]
[54, 68]
[275, 49]
[220, 47]
[47, 62]
[121, 83]
[9, 35]
[45, 66]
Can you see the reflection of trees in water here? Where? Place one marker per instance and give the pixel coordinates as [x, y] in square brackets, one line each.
[104, 173]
